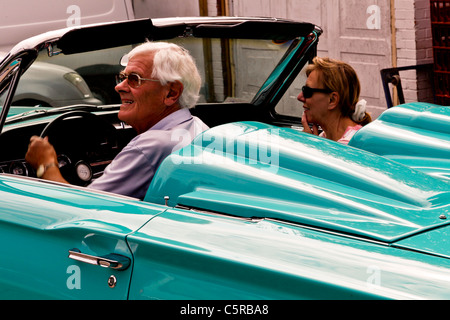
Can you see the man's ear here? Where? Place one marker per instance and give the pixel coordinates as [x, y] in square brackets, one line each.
[334, 100]
[175, 89]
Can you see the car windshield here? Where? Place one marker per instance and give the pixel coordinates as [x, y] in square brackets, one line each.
[232, 71]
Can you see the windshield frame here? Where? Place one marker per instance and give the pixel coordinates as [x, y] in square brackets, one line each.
[80, 39]
[10, 79]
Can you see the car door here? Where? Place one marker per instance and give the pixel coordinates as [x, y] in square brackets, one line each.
[192, 254]
[65, 243]
[183, 254]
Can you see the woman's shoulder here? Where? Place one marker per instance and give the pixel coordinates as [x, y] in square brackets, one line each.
[349, 132]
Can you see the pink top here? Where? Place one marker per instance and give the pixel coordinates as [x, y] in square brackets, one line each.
[348, 134]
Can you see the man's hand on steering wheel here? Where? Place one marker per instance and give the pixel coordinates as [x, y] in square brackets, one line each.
[42, 157]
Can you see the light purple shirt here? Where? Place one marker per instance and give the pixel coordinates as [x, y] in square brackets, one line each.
[132, 170]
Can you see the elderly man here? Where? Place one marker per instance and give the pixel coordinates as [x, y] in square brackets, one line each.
[157, 87]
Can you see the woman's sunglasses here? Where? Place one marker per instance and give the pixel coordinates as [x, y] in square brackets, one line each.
[308, 92]
[134, 80]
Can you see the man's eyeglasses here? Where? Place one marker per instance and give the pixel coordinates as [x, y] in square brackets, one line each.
[134, 80]
[308, 92]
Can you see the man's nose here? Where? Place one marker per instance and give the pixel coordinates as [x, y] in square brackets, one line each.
[122, 86]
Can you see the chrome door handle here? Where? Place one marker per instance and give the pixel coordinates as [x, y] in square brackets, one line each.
[112, 260]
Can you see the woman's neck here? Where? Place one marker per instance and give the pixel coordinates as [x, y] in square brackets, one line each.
[335, 128]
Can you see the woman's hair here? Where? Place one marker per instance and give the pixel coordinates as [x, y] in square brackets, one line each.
[173, 63]
[340, 77]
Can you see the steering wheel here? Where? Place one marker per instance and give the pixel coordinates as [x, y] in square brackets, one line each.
[76, 150]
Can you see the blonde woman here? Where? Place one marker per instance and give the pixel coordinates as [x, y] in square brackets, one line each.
[331, 100]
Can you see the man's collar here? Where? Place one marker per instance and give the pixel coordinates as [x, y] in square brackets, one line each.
[173, 119]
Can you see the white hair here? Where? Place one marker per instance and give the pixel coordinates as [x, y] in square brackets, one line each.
[173, 63]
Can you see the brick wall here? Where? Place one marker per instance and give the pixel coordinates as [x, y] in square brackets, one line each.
[414, 47]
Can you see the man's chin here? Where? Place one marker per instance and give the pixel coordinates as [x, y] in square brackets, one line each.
[124, 115]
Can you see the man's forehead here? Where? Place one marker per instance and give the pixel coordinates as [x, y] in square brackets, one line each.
[145, 56]
[140, 63]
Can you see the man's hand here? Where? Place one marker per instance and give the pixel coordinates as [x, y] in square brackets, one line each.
[40, 152]
[42, 157]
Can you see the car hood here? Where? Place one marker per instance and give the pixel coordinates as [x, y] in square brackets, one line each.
[256, 170]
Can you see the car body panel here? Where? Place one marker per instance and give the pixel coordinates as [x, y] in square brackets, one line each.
[50, 85]
[20, 24]
[416, 134]
[40, 225]
[314, 181]
[199, 255]
[434, 242]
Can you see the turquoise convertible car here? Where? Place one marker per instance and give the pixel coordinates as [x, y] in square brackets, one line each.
[253, 208]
